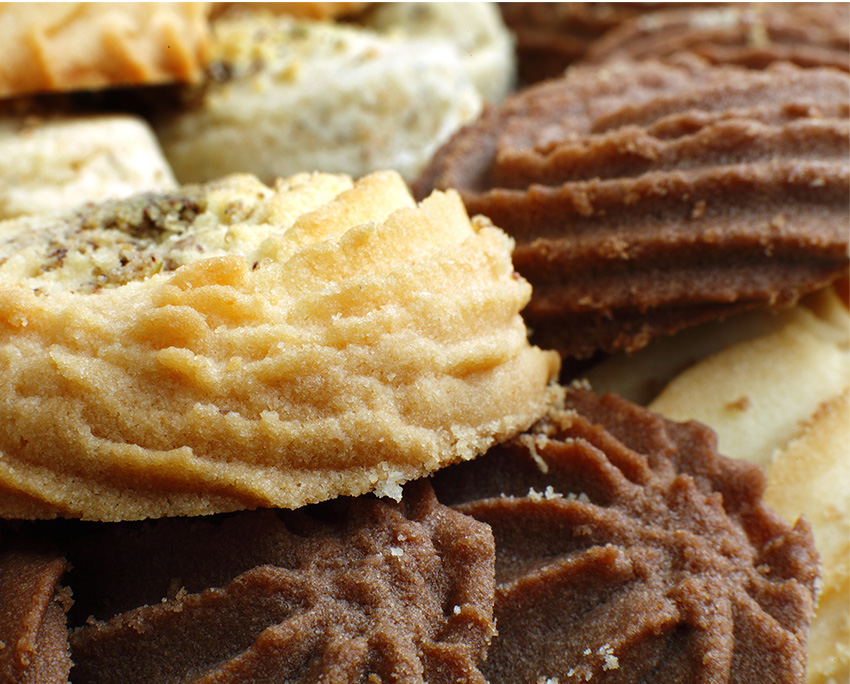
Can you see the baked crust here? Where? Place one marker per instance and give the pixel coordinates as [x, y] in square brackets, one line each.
[55, 46]
[232, 345]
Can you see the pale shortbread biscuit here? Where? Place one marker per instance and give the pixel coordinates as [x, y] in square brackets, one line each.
[477, 30]
[231, 346]
[812, 474]
[50, 165]
[288, 96]
[65, 46]
[756, 393]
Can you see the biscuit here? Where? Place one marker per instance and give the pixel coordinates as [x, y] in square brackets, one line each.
[53, 164]
[811, 34]
[359, 588]
[797, 425]
[476, 29]
[233, 345]
[629, 550]
[57, 46]
[647, 197]
[811, 474]
[302, 10]
[550, 36]
[275, 104]
[32, 612]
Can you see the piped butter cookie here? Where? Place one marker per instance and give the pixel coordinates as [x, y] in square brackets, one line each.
[232, 345]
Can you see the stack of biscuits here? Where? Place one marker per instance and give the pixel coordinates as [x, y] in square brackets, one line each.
[423, 342]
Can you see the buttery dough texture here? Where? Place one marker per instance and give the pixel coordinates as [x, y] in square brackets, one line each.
[232, 345]
[64, 46]
[53, 164]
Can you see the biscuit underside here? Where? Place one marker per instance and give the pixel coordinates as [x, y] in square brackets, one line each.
[230, 346]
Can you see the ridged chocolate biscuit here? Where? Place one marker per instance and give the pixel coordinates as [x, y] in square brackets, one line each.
[357, 590]
[552, 35]
[629, 550]
[810, 34]
[647, 197]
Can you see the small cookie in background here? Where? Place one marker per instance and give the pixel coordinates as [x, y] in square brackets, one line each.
[550, 36]
[476, 30]
[302, 10]
[50, 164]
[60, 47]
[275, 104]
[233, 345]
[809, 34]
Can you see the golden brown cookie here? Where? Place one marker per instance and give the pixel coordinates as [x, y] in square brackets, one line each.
[234, 345]
[646, 197]
[64, 46]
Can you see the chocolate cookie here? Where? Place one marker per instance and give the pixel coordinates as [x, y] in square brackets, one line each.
[552, 35]
[810, 34]
[647, 197]
[628, 550]
[356, 590]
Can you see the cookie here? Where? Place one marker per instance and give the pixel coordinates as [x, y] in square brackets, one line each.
[475, 29]
[32, 612]
[648, 197]
[58, 46]
[550, 36]
[629, 550]
[53, 164]
[811, 34]
[797, 425]
[233, 345]
[275, 104]
[358, 590]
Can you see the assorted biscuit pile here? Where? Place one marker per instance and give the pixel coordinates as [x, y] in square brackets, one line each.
[336, 348]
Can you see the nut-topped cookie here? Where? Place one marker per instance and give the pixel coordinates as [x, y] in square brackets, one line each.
[648, 196]
[234, 345]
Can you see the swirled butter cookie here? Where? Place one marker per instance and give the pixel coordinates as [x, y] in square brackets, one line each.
[233, 345]
[810, 34]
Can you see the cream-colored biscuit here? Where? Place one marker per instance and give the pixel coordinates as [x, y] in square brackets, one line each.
[50, 165]
[64, 46]
[756, 393]
[812, 474]
[232, 345]
[290, 96]
[476, 29]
